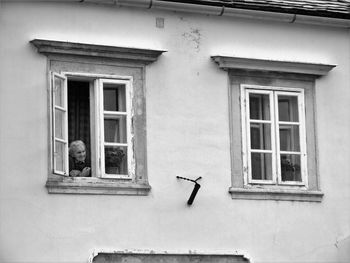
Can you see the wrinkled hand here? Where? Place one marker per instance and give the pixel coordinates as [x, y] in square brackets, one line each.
[85, 172]
[74, 173]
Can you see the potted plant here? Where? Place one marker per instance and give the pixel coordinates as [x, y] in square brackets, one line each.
[113, 160]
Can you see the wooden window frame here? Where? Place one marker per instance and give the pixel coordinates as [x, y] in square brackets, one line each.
[97, 120]
[275, 151]
[284, 74]
[127, 113]
[93, 62]
[64, 110]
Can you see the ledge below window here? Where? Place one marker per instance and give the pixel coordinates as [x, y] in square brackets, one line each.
[276, 194]
[91, 185]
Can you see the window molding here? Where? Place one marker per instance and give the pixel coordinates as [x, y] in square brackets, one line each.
[276, 194]
[94, 185]
[90, 62]
[284, 74]
[317, 69]
[140, 56]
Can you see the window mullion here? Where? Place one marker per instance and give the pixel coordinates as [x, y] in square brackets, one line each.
[276, 154]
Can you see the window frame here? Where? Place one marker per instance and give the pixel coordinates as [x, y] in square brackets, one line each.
[275, 151]
[280, 73]
[99, 182]
[129, 144]
[97, 117]
[64, 110]
[82, 60]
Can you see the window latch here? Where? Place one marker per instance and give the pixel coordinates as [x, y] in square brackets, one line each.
[195, 189]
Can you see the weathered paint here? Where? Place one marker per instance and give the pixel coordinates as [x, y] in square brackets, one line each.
[187, 135]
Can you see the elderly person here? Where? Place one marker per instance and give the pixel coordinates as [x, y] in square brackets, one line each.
[78, 167]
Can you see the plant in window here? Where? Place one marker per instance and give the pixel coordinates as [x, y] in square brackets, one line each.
[114, 157]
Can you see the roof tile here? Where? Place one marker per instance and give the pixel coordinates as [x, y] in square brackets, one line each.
[324, 8]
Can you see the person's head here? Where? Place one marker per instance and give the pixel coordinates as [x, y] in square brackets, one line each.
[77, 150]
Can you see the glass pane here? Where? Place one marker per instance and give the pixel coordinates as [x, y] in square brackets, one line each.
[261, 166]
[289, 138]
[59, 124]
[58, 89]
[260, 136]
[116, 161]
[290, 167]
[288, 108]
[60, 164]
[114, 97]
[259, 106]
[115, 130]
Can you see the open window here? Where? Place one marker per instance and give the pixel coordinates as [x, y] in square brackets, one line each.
[96, 111]
[97, 96]
[60, 124]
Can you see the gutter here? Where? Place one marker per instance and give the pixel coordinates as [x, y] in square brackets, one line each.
[215, 11]
[233, 12]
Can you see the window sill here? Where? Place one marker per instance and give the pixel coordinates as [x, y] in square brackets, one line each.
[91, 185]
[276, 194]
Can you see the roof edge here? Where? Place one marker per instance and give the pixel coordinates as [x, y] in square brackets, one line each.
[214, 9]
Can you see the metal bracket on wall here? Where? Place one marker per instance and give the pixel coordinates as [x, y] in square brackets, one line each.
[195, 189]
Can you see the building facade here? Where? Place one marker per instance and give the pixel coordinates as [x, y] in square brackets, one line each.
[214, 131]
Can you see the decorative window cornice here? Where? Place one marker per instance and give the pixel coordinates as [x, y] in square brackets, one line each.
[316, 69]
[142, 56]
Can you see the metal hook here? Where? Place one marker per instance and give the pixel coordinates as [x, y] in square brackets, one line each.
[195, 189]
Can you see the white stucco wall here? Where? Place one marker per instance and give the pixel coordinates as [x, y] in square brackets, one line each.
[188, 135]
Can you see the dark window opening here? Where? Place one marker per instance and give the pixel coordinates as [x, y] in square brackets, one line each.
[79, 114]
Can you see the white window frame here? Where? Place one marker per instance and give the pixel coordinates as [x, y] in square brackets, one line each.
[273, 93]
[64, 110]
[127, 113]
[96, 122]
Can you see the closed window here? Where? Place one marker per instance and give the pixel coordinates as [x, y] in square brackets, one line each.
[273, 128]
[274, 146]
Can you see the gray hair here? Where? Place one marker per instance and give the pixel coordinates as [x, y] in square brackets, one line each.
[74, 145]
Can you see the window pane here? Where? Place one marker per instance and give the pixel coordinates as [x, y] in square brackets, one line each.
[289, 138]
[261, 166]
[60, 164]
[58, 89]
[290, 167]
[259, 106]
[114, 97]
[116, 160]
[260, 136]
[59, 124]
[115, 130]
[288, 108]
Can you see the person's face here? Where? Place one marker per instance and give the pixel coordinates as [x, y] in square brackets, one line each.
[80, 153]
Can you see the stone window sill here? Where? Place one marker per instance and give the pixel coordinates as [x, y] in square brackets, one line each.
[276, 194]
[93, 185]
